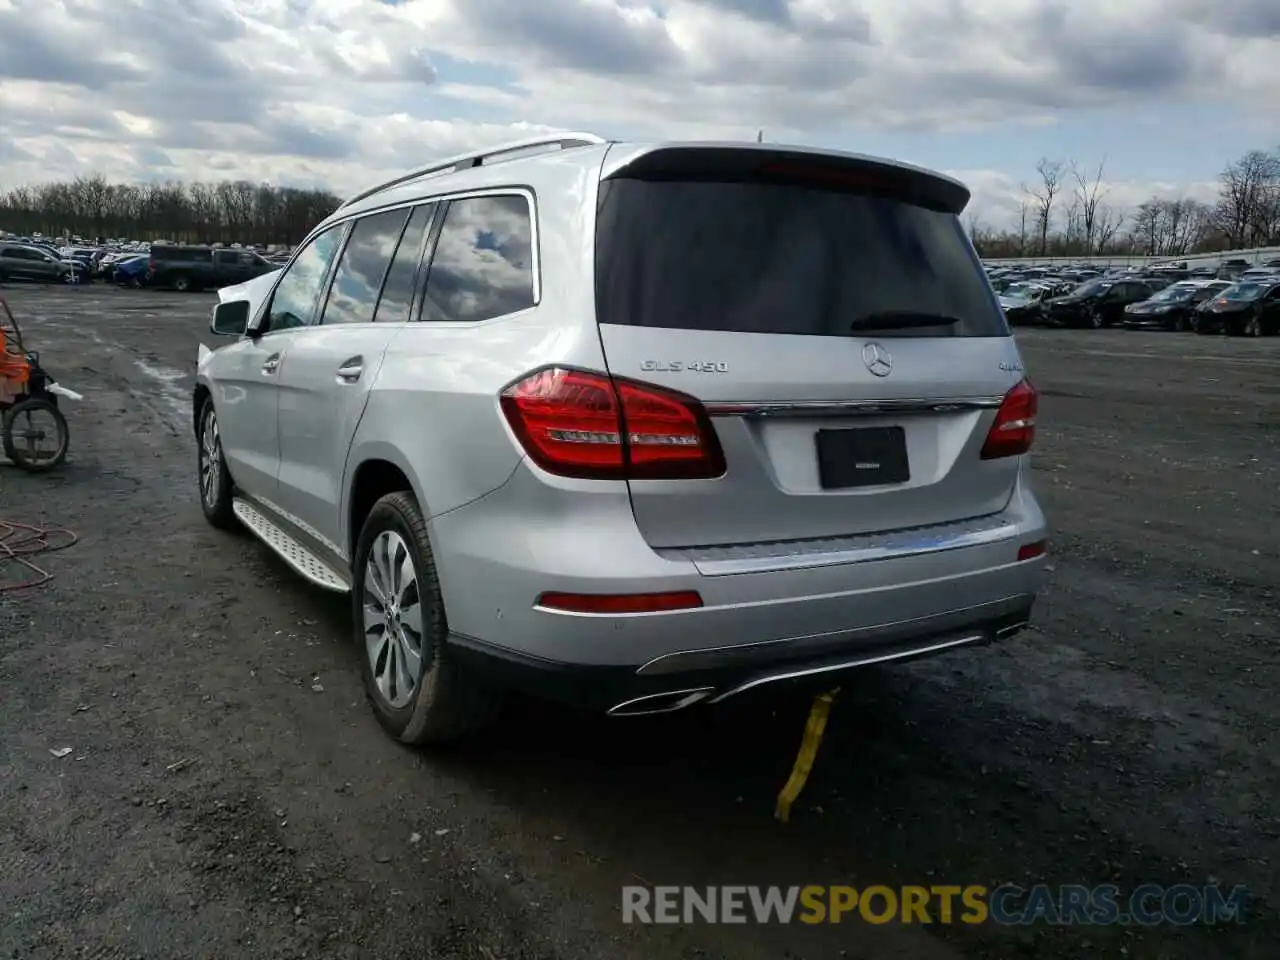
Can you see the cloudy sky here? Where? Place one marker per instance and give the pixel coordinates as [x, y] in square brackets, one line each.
[336, 91]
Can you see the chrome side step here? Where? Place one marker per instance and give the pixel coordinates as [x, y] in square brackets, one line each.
[305, 563]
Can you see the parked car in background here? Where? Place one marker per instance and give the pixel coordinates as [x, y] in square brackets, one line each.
[1096, 303]
[1248, 309]
[1022, 302]
[1259, 275]
[21, 262]
[1173, 307]
[189, 268]
[1230, 269]
[132, 271]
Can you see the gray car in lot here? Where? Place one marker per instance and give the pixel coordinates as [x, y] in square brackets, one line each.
[639, 426]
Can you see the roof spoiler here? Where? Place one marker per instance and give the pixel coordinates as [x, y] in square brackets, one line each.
[772, 163]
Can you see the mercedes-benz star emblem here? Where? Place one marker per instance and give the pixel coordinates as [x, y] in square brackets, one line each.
[877, 359]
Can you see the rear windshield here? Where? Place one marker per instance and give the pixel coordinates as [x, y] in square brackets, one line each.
[749, 257]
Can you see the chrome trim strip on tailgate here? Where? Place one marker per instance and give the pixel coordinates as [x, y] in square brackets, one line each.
[858, 548]
[848, 408]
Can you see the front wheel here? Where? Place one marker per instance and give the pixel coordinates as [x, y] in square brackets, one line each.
[1253, 328]
[1095, 319]
[35, 435]
[418, 691]
[215, 480]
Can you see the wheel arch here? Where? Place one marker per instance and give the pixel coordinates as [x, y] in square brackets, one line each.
[379, 471]
[198, 398]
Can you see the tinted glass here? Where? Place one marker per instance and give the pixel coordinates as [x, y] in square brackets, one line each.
[364, 263]
[483, 263]
[780, 258]
[1244, 291]
[294, 302]
[402, 278]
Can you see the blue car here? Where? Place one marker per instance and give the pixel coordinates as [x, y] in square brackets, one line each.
[131, 272]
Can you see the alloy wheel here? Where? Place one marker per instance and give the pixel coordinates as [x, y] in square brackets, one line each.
[210, 460]
[393, 620]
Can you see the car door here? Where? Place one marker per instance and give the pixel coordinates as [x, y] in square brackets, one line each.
[1271, 311]
[245, 375]
[226, 268]
[327, 374]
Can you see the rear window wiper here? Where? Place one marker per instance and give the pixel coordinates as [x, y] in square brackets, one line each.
[902, 320]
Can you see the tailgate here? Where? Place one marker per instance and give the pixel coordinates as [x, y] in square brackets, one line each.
[835, 322]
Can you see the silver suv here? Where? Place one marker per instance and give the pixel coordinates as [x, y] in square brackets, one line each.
[641, 426]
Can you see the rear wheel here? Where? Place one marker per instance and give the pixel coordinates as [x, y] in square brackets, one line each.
[418, 691]
[35, 435]
[182, 283]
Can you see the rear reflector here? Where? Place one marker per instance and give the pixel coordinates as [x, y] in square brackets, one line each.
[575, 423]
[1029, 551]
[1014, 429]
[621, 602]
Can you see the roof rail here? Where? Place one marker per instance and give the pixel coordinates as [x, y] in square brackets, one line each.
[564, 141]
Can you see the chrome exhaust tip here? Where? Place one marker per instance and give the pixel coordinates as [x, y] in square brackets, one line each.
[668, 701]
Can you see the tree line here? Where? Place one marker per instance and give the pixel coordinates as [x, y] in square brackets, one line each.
[228, 212]
[1065, 212]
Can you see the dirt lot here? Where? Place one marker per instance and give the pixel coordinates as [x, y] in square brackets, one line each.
[229, 794]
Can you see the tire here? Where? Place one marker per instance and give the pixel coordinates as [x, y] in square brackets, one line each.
[444, 703]
[1253, 327]
[19, 453]
[212, 477]
[182, 283]
[1095, 320]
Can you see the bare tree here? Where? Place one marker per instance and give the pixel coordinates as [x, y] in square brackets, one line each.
[1089, 192]
[194, 212]
[1045, 194]
[1245, 210]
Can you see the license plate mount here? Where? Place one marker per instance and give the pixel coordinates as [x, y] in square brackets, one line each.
[862, 457]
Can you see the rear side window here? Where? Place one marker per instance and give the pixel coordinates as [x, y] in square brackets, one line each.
[402, 279]
[483, 263]
[746, 257]
[365, 259]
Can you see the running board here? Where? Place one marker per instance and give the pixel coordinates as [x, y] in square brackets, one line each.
[291, 551]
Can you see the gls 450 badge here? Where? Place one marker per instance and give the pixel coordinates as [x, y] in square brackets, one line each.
[679, 366]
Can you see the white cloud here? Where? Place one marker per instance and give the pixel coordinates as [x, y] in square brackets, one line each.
[341, 91]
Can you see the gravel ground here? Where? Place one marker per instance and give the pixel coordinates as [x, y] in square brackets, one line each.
[229, 794]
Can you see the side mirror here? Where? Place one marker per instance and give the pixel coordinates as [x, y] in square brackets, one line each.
[230, 319]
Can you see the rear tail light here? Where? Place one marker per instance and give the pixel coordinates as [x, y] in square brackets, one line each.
[1014, 429]
[580, 424]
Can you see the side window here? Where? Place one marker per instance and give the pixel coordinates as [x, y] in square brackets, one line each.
[294, 302]
[397, 291]
[483, 264]
[364, 262]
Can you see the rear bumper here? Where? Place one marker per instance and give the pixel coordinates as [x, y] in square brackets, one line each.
[715, 674]
[866, 601]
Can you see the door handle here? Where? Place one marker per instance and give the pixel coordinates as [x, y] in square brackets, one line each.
[271, 363]
[350, 371]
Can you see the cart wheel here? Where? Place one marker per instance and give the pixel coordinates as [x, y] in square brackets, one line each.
[35, 435]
